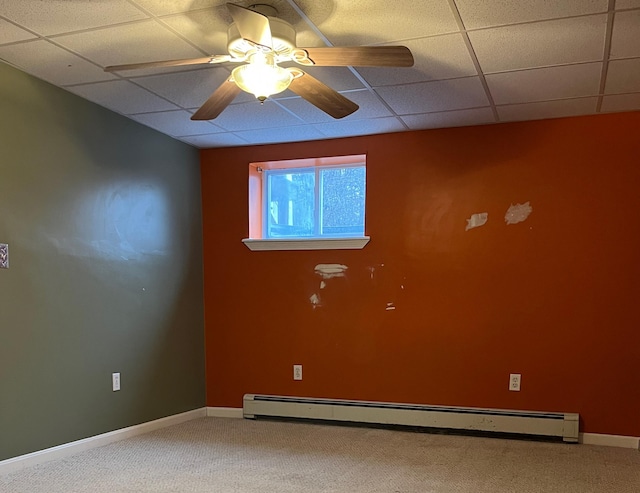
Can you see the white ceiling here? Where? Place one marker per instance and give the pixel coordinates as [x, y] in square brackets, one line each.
[476, 62]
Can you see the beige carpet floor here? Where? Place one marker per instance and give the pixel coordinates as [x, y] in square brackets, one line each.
[243, 456]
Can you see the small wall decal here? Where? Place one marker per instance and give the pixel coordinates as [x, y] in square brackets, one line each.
[4, 256]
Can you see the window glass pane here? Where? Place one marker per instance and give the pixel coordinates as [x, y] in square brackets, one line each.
[343, 198]
[290, 204]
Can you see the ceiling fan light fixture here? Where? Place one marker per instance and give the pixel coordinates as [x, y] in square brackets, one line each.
[258, 37]
[261, 76]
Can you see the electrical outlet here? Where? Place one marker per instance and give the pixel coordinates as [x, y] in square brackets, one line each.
[514, 382]
[297, 372]
[115, 380]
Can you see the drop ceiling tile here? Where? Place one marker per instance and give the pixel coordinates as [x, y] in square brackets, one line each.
[145, 41]
[10, 33]
[176, 123]
[339, 78]
[281, 134]
[350, 128]
[254, 116]
[427, 97]
[488, 13]
[370, 107]
[625, 40]
[51, 63]
[627, 4]
[61, 16]
[218, 7]
[187, 89]
[436, 58]
[122, 96]
[202, 28]
[540, 44]
[459, 118]
[214, 140]
[547, 109]
[162, 7]
[541, 84]
[351, 23]
[621, 102]
[623, 76]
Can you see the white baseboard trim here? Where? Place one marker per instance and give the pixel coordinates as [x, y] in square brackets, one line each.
[72, 448]
[224, 412]
[610, 440]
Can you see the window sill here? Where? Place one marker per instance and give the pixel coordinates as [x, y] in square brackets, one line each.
[259, 244]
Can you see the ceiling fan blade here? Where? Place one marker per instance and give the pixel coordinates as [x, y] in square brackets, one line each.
[322, 96]
[170, 63]
[218, 101]
[361, 56]
[252, 25]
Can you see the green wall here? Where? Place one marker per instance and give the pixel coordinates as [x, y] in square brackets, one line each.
[103, 221]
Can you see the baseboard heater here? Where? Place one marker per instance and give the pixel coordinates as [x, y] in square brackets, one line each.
[563, 426]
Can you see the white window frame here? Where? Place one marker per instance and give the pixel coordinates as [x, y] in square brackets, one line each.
[257, 227]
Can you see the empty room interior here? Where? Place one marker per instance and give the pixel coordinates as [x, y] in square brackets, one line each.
[476, 330]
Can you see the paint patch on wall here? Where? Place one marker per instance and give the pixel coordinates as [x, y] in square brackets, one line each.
[329, 271]
[4, 256]
[477, 220]
[315, 300]
[390, 306]
[518, 213]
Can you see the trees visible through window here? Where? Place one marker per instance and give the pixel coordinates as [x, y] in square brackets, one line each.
[308, 204]
[315, 202]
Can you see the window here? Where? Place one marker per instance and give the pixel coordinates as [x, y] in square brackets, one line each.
[307, 204]
[314, 202]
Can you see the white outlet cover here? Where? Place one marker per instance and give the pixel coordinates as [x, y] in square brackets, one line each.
[297, 372]
[514, 382]
[115, 380]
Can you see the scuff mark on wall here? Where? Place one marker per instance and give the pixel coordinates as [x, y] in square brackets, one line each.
[315, 301]
[326, 271]
[390, 306]
[477, 220]
[329, 271]
[372, 270]
[518, 213]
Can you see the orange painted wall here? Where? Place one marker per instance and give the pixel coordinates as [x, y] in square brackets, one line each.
[554, 298]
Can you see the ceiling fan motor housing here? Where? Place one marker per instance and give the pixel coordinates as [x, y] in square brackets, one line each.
[282, 33]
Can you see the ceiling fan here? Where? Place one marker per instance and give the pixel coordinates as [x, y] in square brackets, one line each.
[264, 41]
